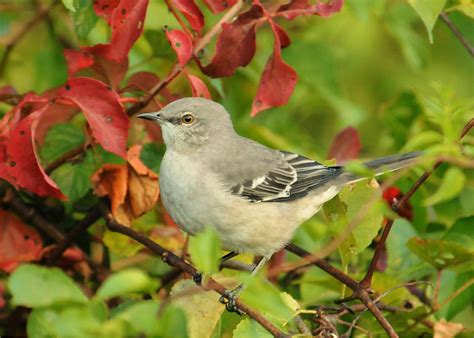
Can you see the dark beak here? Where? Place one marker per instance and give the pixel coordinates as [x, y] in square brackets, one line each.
[150, 116]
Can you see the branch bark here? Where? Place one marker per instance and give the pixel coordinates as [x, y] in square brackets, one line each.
[173, 260]
[470, 49]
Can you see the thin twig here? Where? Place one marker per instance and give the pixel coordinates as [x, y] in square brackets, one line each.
[176, 70]
[173, 260]
[177, 17]
[80, 149]
[81, 226]
[367, 280]
[9, 198]
[470, 49]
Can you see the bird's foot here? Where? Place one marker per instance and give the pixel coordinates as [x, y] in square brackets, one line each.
[197, 278]
[229, 299]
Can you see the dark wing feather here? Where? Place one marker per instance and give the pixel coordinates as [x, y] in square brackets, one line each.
[291, 179]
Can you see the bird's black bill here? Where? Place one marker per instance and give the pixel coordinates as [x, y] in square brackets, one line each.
[148, 116]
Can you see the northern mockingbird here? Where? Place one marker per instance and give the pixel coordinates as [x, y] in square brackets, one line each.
[255, 197]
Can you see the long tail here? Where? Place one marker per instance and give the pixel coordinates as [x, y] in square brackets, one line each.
[383, 165]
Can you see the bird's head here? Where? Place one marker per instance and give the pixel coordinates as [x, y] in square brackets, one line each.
[188, 123]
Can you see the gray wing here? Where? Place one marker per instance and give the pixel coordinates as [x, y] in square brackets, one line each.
[291, 178]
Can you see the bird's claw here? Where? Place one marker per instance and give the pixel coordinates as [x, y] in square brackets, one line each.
[229, 300]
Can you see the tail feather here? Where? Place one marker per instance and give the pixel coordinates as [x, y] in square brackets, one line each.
[383, 165]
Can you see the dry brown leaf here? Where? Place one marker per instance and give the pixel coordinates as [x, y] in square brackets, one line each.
[444, 329]
[142, 183]
[132, 188]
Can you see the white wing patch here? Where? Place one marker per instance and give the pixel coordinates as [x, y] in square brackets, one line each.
[293, 178]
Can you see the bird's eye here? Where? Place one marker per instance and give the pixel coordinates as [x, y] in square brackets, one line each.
[187, 118]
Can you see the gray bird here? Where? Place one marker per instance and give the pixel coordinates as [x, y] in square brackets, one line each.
[255, 197]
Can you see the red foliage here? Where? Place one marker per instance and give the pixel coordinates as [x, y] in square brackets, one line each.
[105, 8]
[198, 87]
[181, 44]
[302, 7]
[191, 12]
[278, 79]
[235, 45]
[217, 6]
[18, 243]
[103, 112]
[346, 146]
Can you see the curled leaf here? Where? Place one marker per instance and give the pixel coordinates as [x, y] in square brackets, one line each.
[181, 44]
[132, 189]
[191, 12]
[103, 112]
[198, 87]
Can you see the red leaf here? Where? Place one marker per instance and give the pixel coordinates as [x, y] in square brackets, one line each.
[191, 12]
[181, 44]
[302, 7]
[77, 60]
[103, 112]
[106, 70]
[217, 6]
[235, 45]
[127, 26]
[345, 146]
[278, 80]
[198, 87]
[105, 8]
[282, 35]
[23, 162]
[18, 242]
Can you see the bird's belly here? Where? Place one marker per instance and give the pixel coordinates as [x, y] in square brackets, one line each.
[195, 198]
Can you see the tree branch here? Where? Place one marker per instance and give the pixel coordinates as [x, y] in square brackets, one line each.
[444, 16]
[173, 260]
[367, 280]
[176, 70]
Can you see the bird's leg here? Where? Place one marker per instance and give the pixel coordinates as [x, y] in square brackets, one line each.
[226, 257]
[229, 297]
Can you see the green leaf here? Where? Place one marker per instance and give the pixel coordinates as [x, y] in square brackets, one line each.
[360, 207]
[142, 316]
[69, 4]
[83, 15]
[440, 253]
[464, 6]
[35, 286]
[173, 323]
[60, 139]
[205, 251]
[202, 308]
[451, 186]
[250, 328]
[464, 299]
[428, 10]
[74, 178]
[125, 282]
[264, 297]
[461, 232]
[72, 321]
